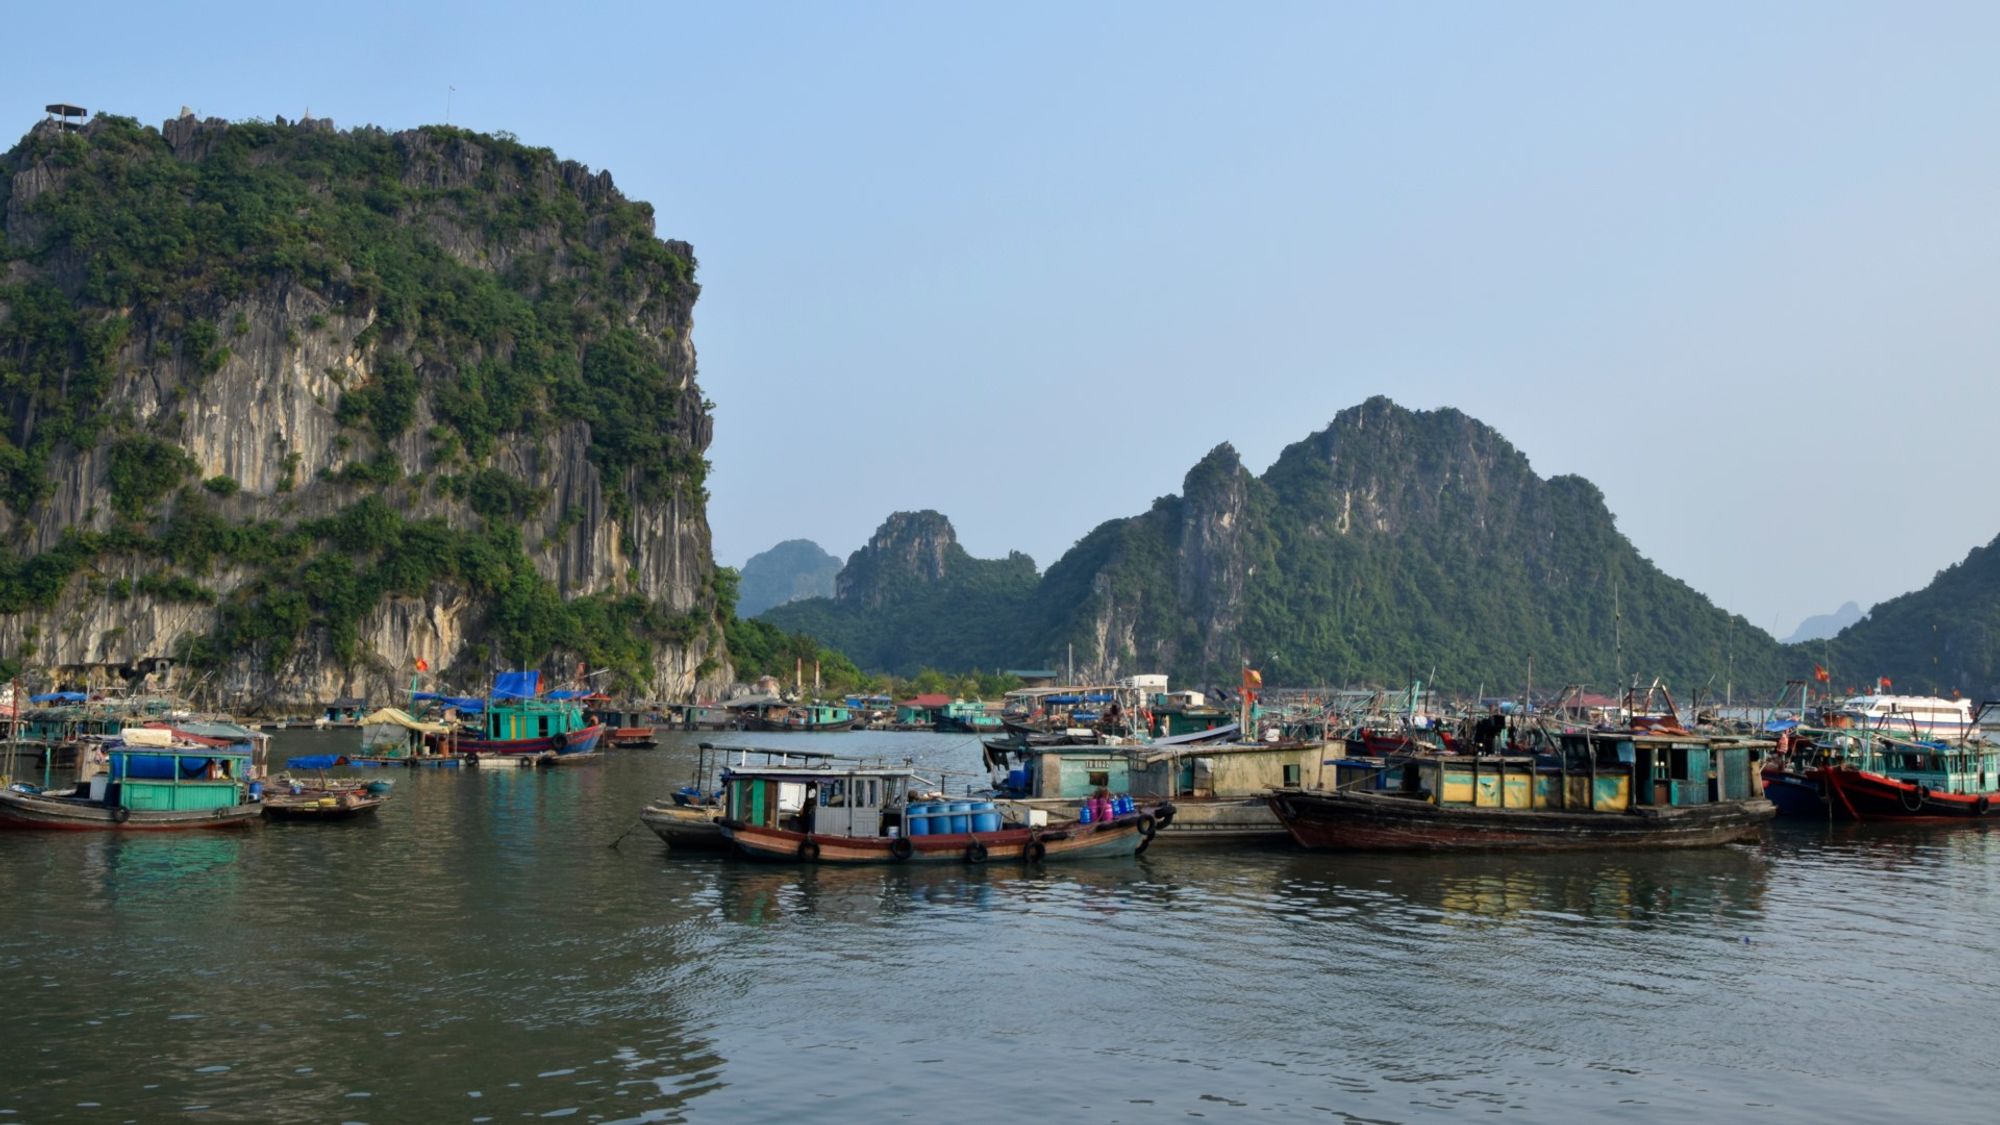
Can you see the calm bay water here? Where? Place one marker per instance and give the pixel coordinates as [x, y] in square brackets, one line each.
[479, 954]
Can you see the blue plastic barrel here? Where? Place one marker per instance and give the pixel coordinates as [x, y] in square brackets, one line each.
[916, 823]
[961, 820]
[1017, 781]
[985, 817]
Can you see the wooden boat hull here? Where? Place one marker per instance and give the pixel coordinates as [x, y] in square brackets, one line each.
[1356, 821]
[633, 738]
[1197, 821]
[22, 810]
[782, 726]
[576, 744]
[346, 806]
[1861, 795]
[686, 827]
[1110, 840]
[1795, 795]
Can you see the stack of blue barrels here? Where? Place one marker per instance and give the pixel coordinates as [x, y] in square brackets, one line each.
[949, 818]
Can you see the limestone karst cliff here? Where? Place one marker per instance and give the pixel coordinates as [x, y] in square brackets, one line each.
[289, 409]
[1392, 544]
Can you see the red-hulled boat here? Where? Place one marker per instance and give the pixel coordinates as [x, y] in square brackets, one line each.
[1844, 774]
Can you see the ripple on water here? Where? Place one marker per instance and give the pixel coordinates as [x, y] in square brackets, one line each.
[480, 947]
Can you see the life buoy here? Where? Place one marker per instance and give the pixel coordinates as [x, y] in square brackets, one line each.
[901, 848]
[975, 852]
[120, 815]
[1147, 825]
[808, 851]
[1035, 852]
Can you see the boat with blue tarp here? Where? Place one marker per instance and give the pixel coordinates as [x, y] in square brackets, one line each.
[518, 726]
[152, 781]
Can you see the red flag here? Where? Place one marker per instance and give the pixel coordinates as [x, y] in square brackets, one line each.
[423, 665]
[1884, 681]
[1820, 674]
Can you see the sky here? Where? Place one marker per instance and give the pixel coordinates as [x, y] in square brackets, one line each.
[1738, 264]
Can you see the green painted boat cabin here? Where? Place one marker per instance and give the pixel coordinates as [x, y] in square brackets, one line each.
[173, 780]
[514, 720]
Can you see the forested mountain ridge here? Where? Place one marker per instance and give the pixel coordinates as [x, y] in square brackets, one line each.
[1390, 545]
[913, 598]
[293, 408]
[1943, 638]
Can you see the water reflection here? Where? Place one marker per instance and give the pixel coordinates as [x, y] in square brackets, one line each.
[481, 952]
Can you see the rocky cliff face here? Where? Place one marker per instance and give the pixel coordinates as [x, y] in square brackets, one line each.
[909, 547]
[913, 598]
[289, 409]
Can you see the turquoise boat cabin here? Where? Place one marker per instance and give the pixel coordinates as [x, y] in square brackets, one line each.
[179, 779]
[922, 710]
[1971, 769]
[1591, 771]
[517, 720]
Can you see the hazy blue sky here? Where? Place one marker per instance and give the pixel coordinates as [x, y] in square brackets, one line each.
[1024, 264]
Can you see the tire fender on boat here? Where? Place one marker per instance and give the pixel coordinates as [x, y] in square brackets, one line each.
[808, 851]
[1035, 851]
[975, 852]
[901, 848]
[1147, 825]
[1980, 806]
[120, 815]
[559, 740]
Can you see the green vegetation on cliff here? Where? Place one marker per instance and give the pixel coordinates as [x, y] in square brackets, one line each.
[487, 288]
[912, 598]
[1392, 545]
[1941, 639]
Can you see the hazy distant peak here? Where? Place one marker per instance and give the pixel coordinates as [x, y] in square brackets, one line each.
[1824, 625]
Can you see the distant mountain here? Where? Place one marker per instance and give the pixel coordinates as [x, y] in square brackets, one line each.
[1942, 638]
[1392, 544]
[794, 569]
[912, 598]
[1824, 625]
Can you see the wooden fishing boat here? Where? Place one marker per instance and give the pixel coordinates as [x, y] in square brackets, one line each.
[1871, 775]
[321, 804]
[146, 788]
[868, 815]
[1603, 790]
[810, 718]
[695, 827]
[519, 729]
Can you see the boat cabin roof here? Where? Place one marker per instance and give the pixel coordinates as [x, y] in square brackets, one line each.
[815, 773]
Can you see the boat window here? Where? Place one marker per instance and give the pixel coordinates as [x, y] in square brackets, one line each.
[833, 793]
[1292, 774]
[1100, 779]
[545, 726]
